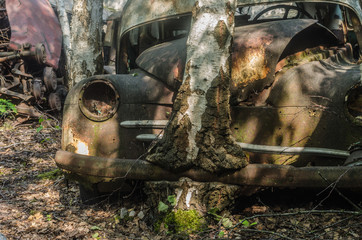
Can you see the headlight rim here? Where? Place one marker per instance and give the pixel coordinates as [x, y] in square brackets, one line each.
[86, 112]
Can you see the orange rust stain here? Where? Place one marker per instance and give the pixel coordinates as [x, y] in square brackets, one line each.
[177, 70]
[250, 61]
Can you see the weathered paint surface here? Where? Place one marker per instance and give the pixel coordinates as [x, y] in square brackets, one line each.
[249, 61]
[34, 21]
[168, 61]
[302, 108]
[108, 138]
[256, 51]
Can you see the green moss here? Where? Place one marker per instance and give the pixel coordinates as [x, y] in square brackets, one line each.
[184, 221]
[51, 175]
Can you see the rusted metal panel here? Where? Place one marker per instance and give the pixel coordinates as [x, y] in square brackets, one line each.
[265, 175]
[34, 21]
[256, 52]
[304, 107]
[168, 61]
[138, 95]
[138, 12]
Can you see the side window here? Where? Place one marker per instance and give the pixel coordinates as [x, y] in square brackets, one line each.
[139, 39]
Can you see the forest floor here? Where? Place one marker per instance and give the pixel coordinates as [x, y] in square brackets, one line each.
[37, 202]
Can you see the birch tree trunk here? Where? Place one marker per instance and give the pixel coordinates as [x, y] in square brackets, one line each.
[64, 23]
[84, 49]
[199, 133]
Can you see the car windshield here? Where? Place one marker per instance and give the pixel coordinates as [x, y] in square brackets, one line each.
[268, 12]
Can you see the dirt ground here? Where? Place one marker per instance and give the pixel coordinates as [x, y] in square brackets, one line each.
[37, 202]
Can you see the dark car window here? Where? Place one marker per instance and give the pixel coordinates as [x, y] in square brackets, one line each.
[144, 37]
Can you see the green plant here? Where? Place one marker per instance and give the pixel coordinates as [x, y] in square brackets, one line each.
[226, 222]
[178, 221]
[96, 235]
[42, 121]
[45, 140]
[184, 221]
[162, 207]
[41, 127]
[95, 228]
[6, 107]
[172, 200]
[51, 175]
[247, 224]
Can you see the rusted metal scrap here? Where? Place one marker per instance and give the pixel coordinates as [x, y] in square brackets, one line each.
[30, 48]
[265, 175]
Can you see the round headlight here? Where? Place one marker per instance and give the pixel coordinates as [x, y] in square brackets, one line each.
[354, 104]
[98, 100]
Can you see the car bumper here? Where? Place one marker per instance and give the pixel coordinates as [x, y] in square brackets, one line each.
[266, 175]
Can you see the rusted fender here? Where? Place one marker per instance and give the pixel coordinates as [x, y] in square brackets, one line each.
[267, 175]
[34, 21]
[257, 48]
[168, 61]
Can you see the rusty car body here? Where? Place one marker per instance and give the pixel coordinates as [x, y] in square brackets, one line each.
[295, 95]
[30, 49]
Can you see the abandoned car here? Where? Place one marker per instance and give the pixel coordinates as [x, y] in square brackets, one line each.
[295, 95]
[30, 49]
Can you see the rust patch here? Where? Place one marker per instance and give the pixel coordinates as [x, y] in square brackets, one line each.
[308, 55]
[249, 62]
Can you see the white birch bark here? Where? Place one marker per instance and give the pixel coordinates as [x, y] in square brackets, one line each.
[199, 135]
[86, 39]
[64, 23]
[206, 58]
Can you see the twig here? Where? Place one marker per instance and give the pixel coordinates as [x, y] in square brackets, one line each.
[299, 213]
[265, 231]
[133, 190]
[59, 219]
[332, 185]
[340, 194]
[331, 225]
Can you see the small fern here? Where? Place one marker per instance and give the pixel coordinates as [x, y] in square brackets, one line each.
[6, 107]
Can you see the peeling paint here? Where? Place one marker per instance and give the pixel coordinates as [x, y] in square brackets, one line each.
[82, 148]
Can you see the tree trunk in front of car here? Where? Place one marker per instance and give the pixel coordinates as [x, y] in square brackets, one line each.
[84, 49]
[198, 135]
